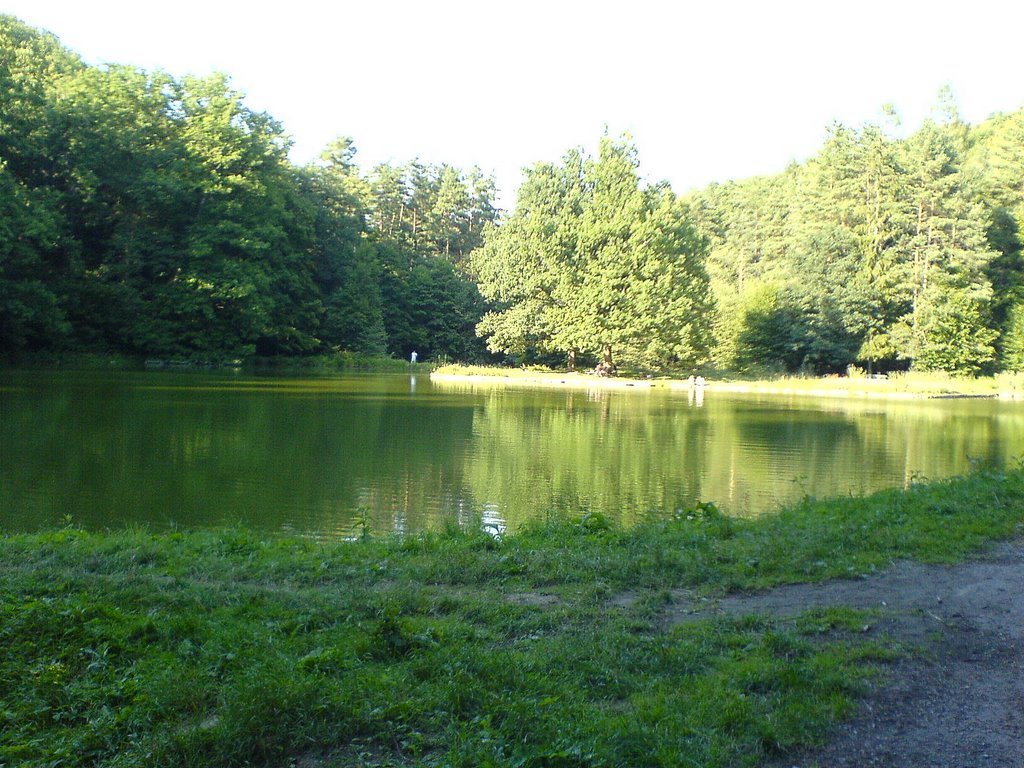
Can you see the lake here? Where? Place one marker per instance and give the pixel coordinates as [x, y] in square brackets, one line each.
[332, 456]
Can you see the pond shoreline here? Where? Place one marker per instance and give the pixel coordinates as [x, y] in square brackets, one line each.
[827, 387]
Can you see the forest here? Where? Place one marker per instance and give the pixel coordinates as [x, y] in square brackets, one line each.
[156, 216]
[153, 216]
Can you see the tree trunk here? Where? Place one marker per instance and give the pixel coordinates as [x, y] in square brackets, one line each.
[572, 360]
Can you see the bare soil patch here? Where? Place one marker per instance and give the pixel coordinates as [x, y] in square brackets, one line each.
[959, 703]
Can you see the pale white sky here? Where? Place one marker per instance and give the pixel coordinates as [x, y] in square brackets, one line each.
[711, 91]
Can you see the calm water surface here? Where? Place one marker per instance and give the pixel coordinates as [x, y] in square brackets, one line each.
[328, 456]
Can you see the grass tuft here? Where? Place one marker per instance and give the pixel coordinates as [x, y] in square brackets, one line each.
[547, 647]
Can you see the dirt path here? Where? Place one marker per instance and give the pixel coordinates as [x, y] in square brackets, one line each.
[960, 704]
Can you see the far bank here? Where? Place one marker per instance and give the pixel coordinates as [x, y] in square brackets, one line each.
[896, 386]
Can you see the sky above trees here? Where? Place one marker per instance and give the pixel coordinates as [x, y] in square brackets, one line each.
[709, 92]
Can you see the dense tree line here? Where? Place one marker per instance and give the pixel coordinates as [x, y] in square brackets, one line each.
[878, 251]
[150, 215]
[592, 262]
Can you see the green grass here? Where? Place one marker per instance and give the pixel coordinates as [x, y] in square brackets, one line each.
[222, 648]
[492, 370]
[902, 384]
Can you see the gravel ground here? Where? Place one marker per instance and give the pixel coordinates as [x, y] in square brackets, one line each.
[959, 703]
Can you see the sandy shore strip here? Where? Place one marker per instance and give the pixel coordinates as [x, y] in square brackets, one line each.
[557, 380]
[841, 388]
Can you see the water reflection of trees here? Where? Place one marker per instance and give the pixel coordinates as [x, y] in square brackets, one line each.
[332, 457]
[632, 455]
[573, 452]
[204, 451]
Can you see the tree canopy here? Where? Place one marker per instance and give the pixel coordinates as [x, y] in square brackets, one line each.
[593, 262]
[153, 215]
[150, 215]
[878, 251]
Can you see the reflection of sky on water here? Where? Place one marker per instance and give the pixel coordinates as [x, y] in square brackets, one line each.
[342, 456]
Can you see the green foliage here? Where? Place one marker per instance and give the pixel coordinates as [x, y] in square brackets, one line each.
[346, 266]
[1013, 339]
[153, 216]
[30, 231]
[144, 214]
[881, 251]
[770, 330]
[952, 335]
[593, 263]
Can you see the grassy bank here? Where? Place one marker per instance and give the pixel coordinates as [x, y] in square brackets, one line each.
[896, 385]
[547, 648]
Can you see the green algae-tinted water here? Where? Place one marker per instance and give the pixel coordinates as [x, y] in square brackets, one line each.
[330, 456]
